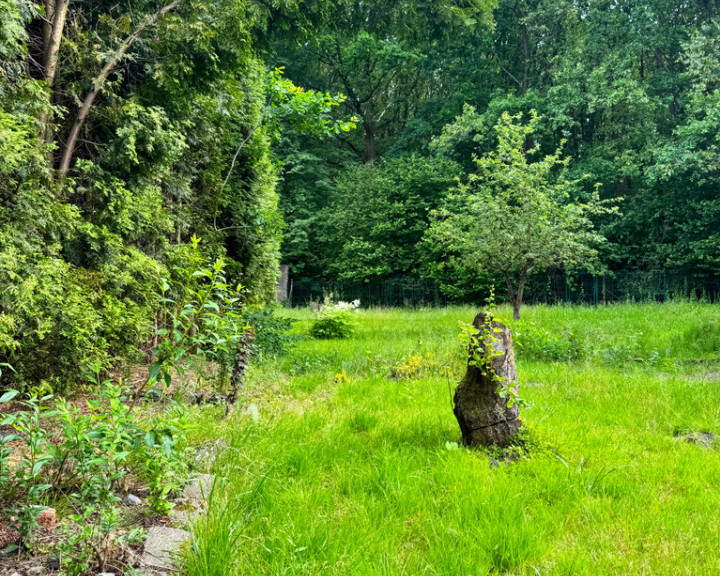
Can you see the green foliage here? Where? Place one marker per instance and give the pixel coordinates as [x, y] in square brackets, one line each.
[305, 112]
[272, 335]
[534, 343]
[378, 214]
[164, 458]
[177, 141]
[334, 321]
[28, 476]
[82, 453]
[200, 318]
[514, 215]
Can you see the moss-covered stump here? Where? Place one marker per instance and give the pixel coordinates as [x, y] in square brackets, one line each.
[484, 416]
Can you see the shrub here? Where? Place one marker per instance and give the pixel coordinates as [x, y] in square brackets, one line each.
[335, 321]
[544, 345]
[272, 333]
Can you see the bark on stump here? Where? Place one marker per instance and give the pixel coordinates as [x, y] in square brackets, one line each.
[484, 417]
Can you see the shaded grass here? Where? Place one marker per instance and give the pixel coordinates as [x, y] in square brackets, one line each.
[366, 477]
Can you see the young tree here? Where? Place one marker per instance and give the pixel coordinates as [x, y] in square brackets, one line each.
[513, 215]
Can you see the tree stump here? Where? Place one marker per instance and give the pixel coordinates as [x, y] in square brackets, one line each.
[484, 416]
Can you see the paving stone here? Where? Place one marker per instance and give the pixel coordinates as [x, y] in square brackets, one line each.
[161, 546]
[198, 491]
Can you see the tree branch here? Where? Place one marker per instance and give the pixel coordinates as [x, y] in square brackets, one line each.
[100, 79]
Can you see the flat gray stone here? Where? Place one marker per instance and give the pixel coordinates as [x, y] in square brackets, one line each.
[184, 518]
[198, 491]
[161, 546]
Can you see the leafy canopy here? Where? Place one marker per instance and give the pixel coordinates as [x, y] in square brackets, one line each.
[513, 215]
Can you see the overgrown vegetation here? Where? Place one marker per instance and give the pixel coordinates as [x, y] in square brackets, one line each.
[80, 455]
[366, 473]
[124, 131]
[334, 320]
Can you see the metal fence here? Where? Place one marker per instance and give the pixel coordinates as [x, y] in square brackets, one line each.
[549, 288]
[626, 286]
[392, 293]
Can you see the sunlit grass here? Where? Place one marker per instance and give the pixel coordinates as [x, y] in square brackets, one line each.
[365, 477]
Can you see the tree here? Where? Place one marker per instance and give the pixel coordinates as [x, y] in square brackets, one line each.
[383, 55]
[378, 214]
[513, 216]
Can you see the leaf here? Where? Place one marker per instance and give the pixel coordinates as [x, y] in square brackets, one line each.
[9, 395]
[154, 371]
[150, 439]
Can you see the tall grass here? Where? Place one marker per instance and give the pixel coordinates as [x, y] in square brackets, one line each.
[366, 476]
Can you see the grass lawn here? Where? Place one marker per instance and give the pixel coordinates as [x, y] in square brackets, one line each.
[364, 475]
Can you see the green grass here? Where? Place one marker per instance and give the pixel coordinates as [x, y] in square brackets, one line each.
[366, 477]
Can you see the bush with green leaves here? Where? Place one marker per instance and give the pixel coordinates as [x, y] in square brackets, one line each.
[272, 335]
[335, 321]
[56, 318]
[27, 480]
[200, 320]
[84, 460]
[535, 343]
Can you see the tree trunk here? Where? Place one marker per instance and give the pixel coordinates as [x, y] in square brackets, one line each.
[369, 145]
[369, 126]
[517, 301]
[99, 81]
[484, 417]
[55, 17]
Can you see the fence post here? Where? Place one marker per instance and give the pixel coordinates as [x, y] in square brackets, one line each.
[595, 291]
[664, 285]
[567, 290]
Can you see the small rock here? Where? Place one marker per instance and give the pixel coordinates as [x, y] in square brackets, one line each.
[47, 519]
[162, 545]
[704, 439]
[35, 571]
[106, 574]
[131, 500]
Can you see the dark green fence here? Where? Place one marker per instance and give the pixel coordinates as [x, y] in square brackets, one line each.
[401, 292]
[548, 288]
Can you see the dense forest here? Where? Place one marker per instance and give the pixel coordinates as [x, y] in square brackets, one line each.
[628, 90]
[332, 137]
